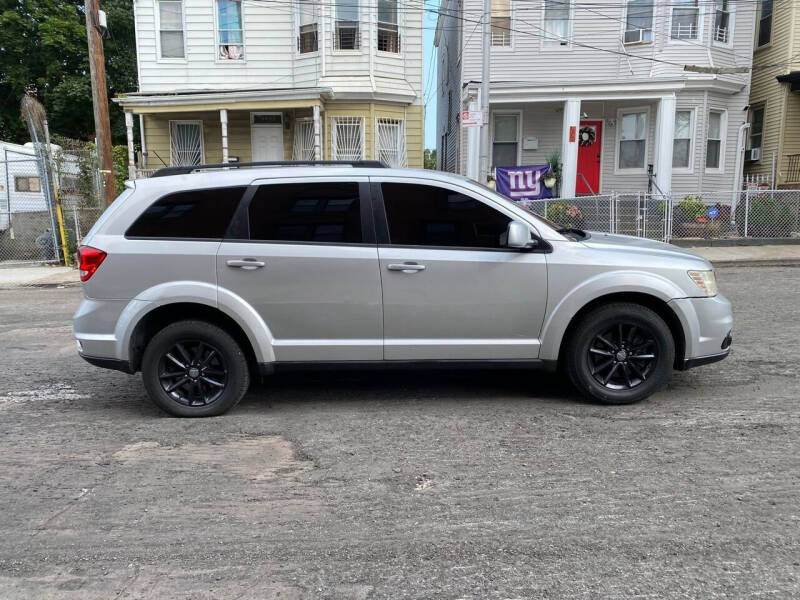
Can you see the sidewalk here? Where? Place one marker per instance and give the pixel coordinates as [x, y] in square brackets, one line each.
[746, 256]
[37, 275]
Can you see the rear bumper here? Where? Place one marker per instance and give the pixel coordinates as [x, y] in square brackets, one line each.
[691, 363]
[109, 363]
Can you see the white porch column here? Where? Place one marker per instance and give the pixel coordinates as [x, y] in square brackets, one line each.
[569, 146]
[473, 143]
[223, 121]
[129, 134]
[665, 132]
[317, 134]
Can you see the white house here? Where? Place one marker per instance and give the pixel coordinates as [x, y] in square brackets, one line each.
[605, 86]
[227, 80]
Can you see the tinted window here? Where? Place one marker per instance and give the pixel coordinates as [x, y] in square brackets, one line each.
[303, 212]
[195, 214]
[422, 215]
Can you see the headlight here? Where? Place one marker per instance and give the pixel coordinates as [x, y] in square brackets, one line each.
[706, 281]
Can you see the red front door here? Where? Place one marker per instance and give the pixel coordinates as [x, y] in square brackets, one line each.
[590, 142]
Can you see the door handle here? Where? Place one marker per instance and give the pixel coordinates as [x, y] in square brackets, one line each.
[408, 267]
[246, 264]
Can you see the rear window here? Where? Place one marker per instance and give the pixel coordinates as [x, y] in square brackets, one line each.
[200, 214]
[302, 212]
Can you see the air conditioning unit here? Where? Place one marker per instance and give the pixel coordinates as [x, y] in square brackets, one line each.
[753, 154]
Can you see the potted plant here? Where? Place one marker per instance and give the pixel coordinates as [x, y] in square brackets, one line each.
[553, 176]
[691, 216]
[565, 214]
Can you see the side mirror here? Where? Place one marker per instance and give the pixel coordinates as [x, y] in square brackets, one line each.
[518, 235]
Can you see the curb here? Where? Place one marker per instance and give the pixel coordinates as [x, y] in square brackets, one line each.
[728, 243]
[766, 262]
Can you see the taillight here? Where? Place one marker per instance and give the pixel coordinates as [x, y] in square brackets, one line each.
[89, 260]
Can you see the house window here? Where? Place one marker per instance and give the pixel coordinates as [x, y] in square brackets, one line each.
[230, 36]
[388, 34]
[639, 22]
[685, 20]
[756, 127]
[765, 23]
[722, 21]
[170, 24]
[556, 21]
[303, 146]
[632, 140]
[307, 26]
[391, 137]
[185, 143]
[348, 138]
[501, 22]
[27, 183]
[682, 140]
[347, 35]
[505, 140]
[714, 141]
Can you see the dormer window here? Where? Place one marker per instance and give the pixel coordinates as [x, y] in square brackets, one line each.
[347, 35]
[388, 34]
[307, 40]
[230, 35]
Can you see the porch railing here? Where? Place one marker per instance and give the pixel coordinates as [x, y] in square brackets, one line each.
[793, 168]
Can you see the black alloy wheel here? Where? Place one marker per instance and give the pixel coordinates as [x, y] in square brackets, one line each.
[193, 373]
[623, 356]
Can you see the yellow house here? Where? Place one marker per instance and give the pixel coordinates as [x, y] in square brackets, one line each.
[253, 81]
[773, 152]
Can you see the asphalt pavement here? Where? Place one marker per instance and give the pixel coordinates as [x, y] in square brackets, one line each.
[403, 484]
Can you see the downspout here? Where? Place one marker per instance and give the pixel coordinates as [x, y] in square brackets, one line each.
[702, 140]
[323, 49]
[737, 172]
[372, 22]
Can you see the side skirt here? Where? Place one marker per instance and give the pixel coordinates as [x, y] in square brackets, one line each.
[378, 365]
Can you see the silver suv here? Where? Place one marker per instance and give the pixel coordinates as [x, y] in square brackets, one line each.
[204, 278]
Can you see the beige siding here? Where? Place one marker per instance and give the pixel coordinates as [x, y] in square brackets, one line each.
[781, 129]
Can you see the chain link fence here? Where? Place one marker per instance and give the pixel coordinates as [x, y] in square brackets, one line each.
[752, 213]
[32, 185]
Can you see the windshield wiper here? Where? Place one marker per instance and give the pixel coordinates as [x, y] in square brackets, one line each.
[579, 233]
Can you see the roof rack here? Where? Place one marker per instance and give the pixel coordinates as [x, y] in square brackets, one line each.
[184, 170]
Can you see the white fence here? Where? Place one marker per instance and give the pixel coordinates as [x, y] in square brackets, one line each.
[716, 215]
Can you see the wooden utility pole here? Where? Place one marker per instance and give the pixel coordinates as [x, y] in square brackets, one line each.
[102, 125]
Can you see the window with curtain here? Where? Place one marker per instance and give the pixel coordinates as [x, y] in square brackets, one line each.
[307, 26]
[722, 21]
[682, 140]
[639, 21]
[388, 34]
[346, 34]
[756, 126]
[765, 23]
[556, 21]
[685, 20]
[501, 22]
[170, 24]
[714, 141]
[505, 141]
[632, 140]
[391, 138]
[230, 35]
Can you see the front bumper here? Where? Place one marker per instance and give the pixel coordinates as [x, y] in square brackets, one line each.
[707, 326]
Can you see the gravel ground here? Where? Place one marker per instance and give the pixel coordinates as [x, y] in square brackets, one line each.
[403, 485]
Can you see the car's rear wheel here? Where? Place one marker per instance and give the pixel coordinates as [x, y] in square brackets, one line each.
[620, 353]
[194, 369]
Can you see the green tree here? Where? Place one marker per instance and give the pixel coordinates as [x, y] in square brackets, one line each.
[429, 158]
[43, 48]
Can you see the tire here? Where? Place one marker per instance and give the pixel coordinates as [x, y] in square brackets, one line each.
[210, 361]
[599, 350]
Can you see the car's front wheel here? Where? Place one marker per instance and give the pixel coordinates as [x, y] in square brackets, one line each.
[620, 353]
[194, 369]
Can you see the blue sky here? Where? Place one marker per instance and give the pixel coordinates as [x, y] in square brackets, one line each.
[429, 73]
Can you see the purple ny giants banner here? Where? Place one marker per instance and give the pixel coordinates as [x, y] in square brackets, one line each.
[522, 183]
